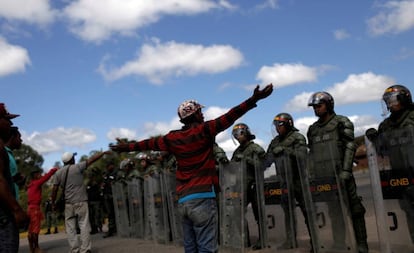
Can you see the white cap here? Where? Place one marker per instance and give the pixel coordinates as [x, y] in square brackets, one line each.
[67, 156]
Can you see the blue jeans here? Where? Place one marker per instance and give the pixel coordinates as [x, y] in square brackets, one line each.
[199, 221]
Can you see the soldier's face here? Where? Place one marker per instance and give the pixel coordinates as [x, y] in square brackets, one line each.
[395, 107]
[281, 129]
[320, 110]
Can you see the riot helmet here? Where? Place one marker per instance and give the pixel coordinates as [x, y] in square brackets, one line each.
[283, 119]
[242, 129]
[126, 164]
[397, 94]
[141, 156]
[322, 97]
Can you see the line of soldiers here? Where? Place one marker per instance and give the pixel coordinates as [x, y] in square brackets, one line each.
[313, 173]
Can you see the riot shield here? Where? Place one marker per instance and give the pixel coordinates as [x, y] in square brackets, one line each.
[284, 195]
[136, 212]
[155, 211]
[391, 165]
[326, 201]
[260, 199]
[231, 208]
[121, 209]
[174, 217]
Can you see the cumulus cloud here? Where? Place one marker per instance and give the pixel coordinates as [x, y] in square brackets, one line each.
[58, 139]
[287, 74]
[98, 20]
[14, 58]
[303, 124]
[362, 123]
[151, 129]
[299, 102]
[394, 17]
[121, 133]
[357, 88]
[341, 34]
[30, 11]
[159, 61]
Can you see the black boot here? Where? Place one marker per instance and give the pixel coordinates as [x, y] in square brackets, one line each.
[56, 230]
[48, 232]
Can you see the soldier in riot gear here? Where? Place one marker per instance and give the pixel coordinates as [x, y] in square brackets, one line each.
[286, 145]
[333, 133]
[398, 126]
[248, 151]
[94, 191]
[108, 180]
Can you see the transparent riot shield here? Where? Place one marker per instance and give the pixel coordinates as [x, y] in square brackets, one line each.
[391, 165]
[174, 217]
[136, 208]
[326, 201]
[287, 226]
[231, 207]
[260, 199]
[155, 209]
[121, 209]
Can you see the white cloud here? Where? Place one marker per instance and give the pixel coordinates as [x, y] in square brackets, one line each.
[272, 4]
[98, 20]
[58, 139]
[341, 34]
[395, 17]
[357, 88]
[151, 129]
[121, 133]
[360, 88]
[299, 102]
[14, 58]
[287, 74]
[362, 123]
[30, 11]
[303, 124]
[159, 61]
[214, 112]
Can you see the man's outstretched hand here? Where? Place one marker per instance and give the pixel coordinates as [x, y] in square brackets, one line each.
[120, 146]
[264, 93]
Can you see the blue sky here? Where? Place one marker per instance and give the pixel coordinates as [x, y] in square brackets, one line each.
[84, 72]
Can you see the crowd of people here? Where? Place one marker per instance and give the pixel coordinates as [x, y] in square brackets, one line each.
[189, 209]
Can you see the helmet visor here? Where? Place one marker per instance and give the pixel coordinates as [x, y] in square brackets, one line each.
[391, 98]
[238, 132]
[280, 123]
[315, 100]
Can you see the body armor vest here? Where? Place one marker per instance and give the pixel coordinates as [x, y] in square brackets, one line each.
[326, 147]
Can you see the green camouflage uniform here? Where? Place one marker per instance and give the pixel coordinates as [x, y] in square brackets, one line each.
[281, 149]
[401, 155]
[252, 154]
[332, 144]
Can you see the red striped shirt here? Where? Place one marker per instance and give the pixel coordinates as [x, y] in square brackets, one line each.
[193, 150]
